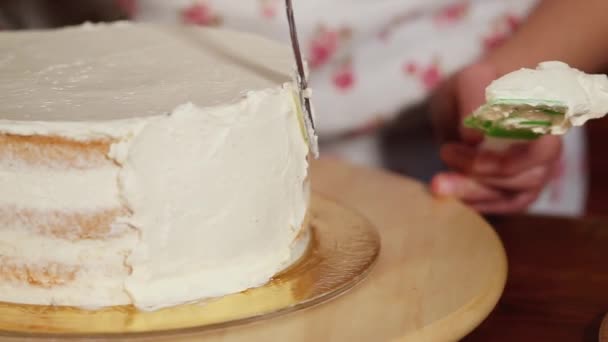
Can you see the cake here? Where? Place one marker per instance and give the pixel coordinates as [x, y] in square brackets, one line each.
[572, 94]
[146, 165]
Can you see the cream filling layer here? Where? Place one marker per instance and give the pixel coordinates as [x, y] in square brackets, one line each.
[33, 269]
[91, 290]
[17, 242]
[71, 190]
[75, 130]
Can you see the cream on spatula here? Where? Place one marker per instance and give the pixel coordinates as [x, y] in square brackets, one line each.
[528, 103]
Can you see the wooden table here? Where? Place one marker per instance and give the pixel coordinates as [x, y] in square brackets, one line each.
[557, 286]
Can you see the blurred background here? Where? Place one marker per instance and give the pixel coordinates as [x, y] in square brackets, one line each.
[27, 14]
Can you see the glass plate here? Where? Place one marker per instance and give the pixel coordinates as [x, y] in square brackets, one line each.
[343, 247]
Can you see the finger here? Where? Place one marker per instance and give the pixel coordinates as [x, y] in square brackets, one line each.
[545, 150]
[533, 178]
[471, 160]
[458, 156]
[517, 203]
[462, 187]
[471, 85]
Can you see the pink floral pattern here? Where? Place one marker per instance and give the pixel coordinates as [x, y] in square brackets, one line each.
[500, 31]
[200, 13]
[269, 8]
[344, 77]
[429, 76]
[452, 13]
[324, 45]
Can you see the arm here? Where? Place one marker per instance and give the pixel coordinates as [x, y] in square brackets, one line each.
[572, 31]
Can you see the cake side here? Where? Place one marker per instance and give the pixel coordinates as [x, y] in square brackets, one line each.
[224, 213]
[150, 199]
[248, 195]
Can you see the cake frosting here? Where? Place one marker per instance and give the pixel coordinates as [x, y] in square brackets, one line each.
[583, 96]
[146, 165]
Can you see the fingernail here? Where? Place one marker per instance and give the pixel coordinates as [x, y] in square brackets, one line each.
[445, 186]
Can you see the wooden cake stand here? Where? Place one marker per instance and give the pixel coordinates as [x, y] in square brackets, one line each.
[440, 271]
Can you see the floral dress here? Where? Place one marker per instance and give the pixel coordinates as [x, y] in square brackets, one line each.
[370, 59]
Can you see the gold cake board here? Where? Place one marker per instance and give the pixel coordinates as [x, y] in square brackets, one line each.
[440, 271]
[341, 248]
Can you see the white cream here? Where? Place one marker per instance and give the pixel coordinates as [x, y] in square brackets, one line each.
[211, 159]
[44, 189]
[221, 216]
[98, 266]
[584, 96]
[124, 71]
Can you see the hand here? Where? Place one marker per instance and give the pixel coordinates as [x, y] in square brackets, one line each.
[491, 182]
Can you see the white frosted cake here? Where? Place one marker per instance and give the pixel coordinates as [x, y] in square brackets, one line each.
[146, 165]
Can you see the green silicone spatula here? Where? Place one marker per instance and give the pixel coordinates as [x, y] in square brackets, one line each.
[506, 122]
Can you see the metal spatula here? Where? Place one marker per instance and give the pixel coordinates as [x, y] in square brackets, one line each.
[309, 121]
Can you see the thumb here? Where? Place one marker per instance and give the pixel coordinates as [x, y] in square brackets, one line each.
[462, 187]
[471, 85]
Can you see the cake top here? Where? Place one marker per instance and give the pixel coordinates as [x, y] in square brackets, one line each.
[98, 72]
